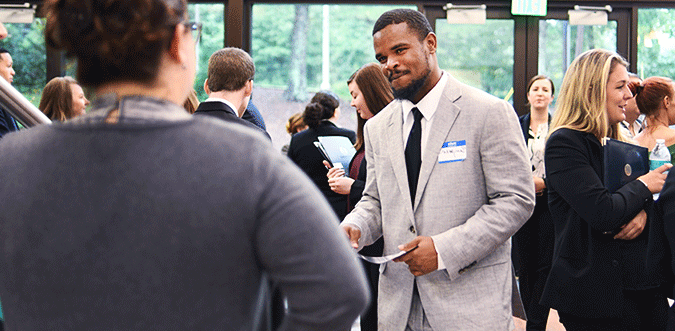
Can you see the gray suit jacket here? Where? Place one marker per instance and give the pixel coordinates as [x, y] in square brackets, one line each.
[473, 205]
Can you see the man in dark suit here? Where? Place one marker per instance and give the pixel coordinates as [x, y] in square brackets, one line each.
[229, 84]
[7, 123]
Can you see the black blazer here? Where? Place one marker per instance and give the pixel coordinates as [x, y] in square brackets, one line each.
[533, 243]
[586, 273]
[7, 123]
[665, 208]
[303, 152]
[224, 112]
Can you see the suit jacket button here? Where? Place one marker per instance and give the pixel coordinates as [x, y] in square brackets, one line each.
[412, 229]
[615, 263]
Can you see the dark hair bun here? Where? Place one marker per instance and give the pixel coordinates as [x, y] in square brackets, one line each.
[313, 115]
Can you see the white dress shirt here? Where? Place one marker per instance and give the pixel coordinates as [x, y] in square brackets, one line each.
[427, 107]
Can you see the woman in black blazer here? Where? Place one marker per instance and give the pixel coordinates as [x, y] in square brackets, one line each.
[598, 278]
[319, 115]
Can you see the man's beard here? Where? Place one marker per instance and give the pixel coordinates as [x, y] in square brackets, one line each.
[409, 92]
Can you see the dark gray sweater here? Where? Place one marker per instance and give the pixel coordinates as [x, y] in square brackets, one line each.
[163, 221]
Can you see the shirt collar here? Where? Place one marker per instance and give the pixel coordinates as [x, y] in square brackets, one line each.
[133, 109]
[429, 102]
[228, 103]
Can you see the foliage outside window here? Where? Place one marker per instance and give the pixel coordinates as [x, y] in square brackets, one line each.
[350, 35]
[213, 39]
[287, 46]
[482, 57]
[656, 43]
[26, 45]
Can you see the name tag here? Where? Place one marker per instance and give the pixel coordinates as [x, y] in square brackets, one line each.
[452, 151]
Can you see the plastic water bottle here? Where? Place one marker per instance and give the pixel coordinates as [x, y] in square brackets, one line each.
[659, 156]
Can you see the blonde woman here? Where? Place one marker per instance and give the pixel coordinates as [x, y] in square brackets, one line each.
[598, 278]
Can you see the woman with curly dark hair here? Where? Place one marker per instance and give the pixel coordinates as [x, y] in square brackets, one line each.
[138, 215]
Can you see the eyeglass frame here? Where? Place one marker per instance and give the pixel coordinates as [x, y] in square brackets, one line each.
[194, 26]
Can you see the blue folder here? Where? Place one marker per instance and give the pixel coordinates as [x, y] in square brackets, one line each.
[624, 162]
[340, 150]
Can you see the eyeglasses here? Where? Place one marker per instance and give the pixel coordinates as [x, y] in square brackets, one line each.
[196, 30]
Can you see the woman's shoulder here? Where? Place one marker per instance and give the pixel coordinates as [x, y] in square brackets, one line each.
[569, 133]
[570, 137]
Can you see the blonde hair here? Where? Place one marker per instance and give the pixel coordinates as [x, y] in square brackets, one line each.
[582, 102]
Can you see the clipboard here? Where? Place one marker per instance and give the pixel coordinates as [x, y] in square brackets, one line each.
[623, 163]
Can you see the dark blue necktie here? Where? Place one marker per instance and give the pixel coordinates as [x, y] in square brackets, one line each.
[413, 153]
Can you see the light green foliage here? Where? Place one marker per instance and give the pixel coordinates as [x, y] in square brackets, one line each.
[213, 36]
[656, 42]
[351, 43]
[478, 55]
[27, 46]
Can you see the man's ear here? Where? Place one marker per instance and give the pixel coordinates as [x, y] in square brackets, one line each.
[430, 42]
[248, 88]
[206, 86]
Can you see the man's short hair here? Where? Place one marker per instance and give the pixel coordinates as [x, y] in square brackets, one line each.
[3, 50]
[417, 22]
[230, 69]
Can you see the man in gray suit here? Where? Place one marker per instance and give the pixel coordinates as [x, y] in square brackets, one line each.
[448, 174]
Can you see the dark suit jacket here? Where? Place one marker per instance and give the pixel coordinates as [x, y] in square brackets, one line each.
[223, 111]
[253, 115]
[303, 152]
[7, 123]
[587, 272]
[666, 208]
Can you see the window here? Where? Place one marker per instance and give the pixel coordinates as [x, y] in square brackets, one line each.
[560, 43]
[480, 55]
[213, 39]
[656, 43]
[26, 45]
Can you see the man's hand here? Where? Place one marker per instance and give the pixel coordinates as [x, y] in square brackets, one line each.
[633, 228]
[353, 234]
[422, 260]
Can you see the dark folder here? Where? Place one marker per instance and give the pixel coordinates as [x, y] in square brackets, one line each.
[624, 162]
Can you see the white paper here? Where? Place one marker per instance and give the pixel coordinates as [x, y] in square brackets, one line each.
[386, 258]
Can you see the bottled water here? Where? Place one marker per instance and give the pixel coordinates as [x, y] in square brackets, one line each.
[659, 156]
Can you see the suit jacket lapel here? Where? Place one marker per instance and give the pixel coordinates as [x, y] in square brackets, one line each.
[444, 118]
[395, 150]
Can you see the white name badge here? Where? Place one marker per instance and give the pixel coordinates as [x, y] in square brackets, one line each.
[452, 151]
